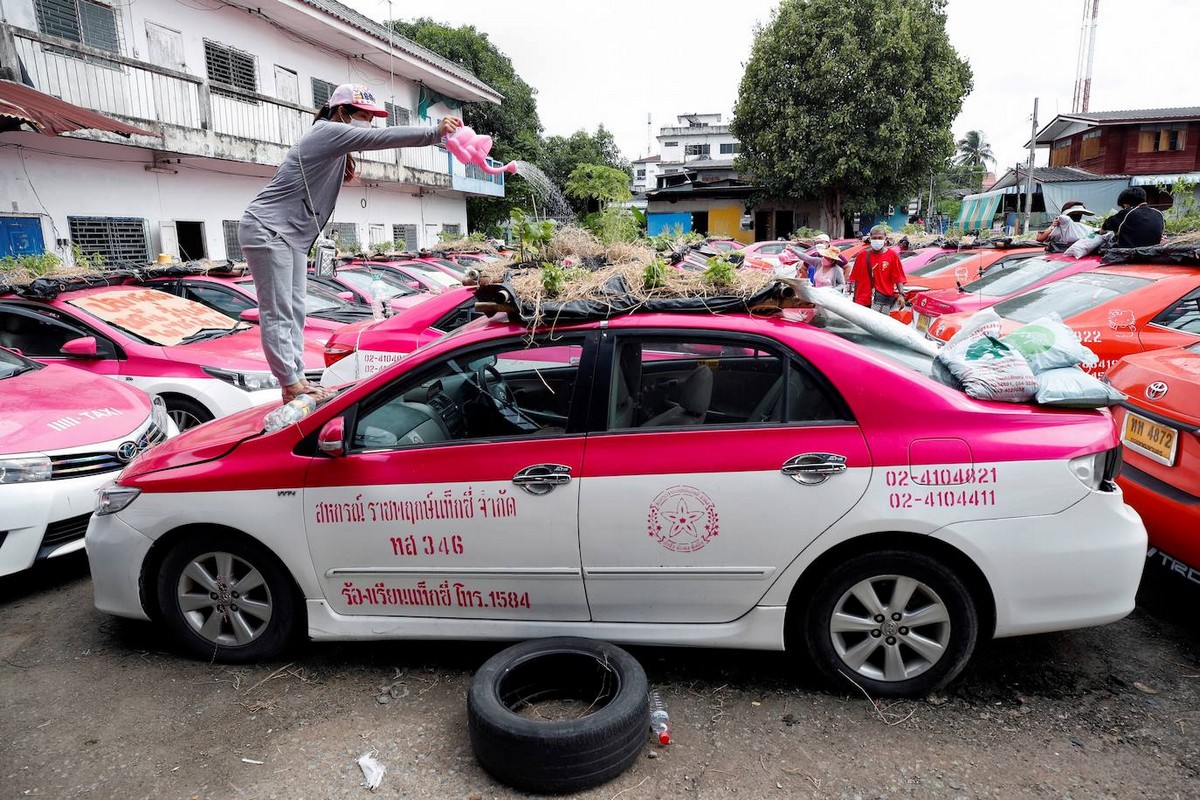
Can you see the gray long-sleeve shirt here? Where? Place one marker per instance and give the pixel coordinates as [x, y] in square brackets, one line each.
[283, 205]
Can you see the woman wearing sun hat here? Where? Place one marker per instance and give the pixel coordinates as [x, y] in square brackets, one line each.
[281, 224]
[829, 271]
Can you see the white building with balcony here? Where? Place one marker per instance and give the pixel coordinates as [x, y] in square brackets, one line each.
[698, 142]
[226, 88]
[645, 174]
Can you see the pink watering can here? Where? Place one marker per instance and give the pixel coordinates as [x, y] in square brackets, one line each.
[471, 148]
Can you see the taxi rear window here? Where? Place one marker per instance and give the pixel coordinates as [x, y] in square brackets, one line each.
[1069, 296]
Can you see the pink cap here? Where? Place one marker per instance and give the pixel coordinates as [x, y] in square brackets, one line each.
[357, 95]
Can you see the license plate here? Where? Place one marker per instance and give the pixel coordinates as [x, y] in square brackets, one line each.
[923, 322]
[1154, 441]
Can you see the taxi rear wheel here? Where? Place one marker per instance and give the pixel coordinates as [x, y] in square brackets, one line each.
[892, 623]
[226, 598]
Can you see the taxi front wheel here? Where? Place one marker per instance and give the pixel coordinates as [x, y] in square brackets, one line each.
[893, 623]
[226, 598]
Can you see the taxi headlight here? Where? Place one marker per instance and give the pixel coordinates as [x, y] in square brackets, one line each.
[113, 498]
[247, 381]
[24, 470]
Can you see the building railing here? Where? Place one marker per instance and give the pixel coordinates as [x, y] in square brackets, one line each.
[141, 92]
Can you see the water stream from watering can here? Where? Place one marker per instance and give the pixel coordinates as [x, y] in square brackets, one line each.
[554, 203]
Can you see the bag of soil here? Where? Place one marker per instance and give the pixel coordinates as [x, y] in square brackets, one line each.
[989, 369]
[1047, 343]
[1071, 387]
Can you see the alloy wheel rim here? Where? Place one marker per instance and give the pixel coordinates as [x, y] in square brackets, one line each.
[183, 419]
[890, 628]
[224, 599]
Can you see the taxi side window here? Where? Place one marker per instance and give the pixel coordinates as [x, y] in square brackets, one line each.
[1183, 315]
[480, 394]
[37, 336]
[461, 315]
[667, 383]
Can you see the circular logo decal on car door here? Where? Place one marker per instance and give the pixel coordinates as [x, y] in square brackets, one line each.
[682, 519]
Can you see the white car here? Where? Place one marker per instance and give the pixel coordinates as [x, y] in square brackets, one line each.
[63, 434]
[715, 480]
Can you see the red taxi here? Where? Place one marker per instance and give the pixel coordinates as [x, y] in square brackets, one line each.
[623, 479]
[1115, 310]
[1160, 425]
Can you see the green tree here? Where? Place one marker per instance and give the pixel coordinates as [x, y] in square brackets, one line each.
[598, 182]
[513, 124]
[974, 150]
[849, 103]
[562, 154]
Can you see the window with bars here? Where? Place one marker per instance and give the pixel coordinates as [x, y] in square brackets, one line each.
[406, 234]
[397, 115]
[730, 148]
[233, 249]
[321, 91]
[229, 66]
[115, 239]
[697, 149]
[345, 234]
[83, 21]
[454, 229]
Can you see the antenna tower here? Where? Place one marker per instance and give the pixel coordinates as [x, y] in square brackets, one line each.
[1085, 57]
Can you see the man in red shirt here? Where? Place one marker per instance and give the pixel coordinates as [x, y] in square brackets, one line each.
[878, 275]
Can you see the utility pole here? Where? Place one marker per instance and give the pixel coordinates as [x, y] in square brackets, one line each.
[930, 212]
[1029, 176]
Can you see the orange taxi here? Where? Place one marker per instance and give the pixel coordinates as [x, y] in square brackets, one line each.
[953, 268]
[1160, 427]
[1114, 310]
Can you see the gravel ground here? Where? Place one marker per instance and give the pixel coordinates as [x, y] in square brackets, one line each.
[100, 708]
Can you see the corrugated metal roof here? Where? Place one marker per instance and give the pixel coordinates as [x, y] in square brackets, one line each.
[385, 34]
[1051, 175]
[24, 105]
[1139, 115]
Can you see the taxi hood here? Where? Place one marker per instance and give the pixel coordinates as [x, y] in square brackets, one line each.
[241, 351]
[59, 407]
[206, 442]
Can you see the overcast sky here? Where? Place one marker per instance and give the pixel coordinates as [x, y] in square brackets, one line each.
[616, 61]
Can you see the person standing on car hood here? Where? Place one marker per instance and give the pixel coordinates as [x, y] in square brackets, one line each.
[878, 275]
[282, 223]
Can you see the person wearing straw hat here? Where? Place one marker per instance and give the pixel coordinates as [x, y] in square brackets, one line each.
[1066, 227]
[282, 223]
[829, 271]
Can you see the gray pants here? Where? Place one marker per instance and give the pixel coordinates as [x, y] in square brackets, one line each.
[280, 275]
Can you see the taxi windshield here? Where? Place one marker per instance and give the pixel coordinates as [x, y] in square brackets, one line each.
[1069, 296]
[155, 317]
[13, 364]
[361, 279]
[1010, 278]
[316, 299]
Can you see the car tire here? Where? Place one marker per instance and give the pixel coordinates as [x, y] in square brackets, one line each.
[248, 614]
[185, 412]
[563, 755]
[873, 648]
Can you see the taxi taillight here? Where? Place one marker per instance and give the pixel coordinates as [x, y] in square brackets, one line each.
[336, 352]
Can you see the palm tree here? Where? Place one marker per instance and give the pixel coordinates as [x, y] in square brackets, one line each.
[974, 150]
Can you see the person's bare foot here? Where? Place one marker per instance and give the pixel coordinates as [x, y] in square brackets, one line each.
[293, 390]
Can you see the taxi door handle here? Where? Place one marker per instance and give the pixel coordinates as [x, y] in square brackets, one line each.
[811, 469]
[542, 478]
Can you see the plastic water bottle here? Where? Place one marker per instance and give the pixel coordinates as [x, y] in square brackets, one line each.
[660, 720]
[290, 413]
[378, 292]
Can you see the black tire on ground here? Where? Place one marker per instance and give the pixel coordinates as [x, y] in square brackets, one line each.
[186, 413]
[557, 756]
[916, 645]
[241, 605]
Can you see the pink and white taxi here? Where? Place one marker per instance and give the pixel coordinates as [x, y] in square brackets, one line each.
[202, 363]
[701, 480]
[63, 435]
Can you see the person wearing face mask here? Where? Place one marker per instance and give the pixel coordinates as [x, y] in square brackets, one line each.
[282, 223]
[878, 275]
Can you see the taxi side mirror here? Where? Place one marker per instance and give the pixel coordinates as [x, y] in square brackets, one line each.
[347, 296]
[250, 315]
[83, 347]
[331, 441]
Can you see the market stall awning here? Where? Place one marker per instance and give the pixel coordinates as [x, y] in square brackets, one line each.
[978, 209]
[23, 105]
